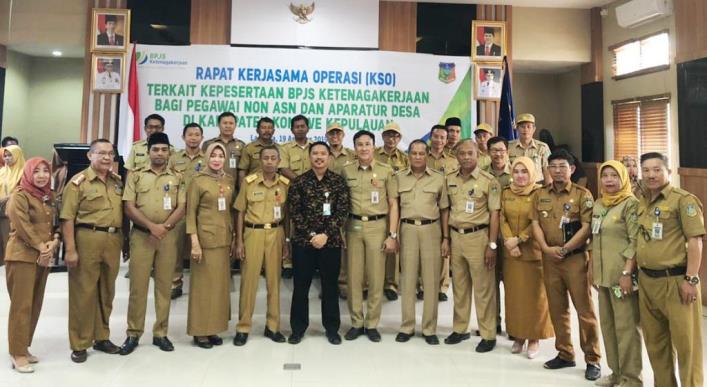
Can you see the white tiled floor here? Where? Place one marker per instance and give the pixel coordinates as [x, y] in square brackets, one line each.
[260, 362]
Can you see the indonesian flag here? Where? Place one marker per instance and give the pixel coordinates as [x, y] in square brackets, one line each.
[129, 125]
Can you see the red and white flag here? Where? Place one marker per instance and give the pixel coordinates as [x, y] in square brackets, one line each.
[129, 126]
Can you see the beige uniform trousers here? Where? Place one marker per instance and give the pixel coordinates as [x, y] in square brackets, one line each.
[25, 286]
[365, 266]
[622, 336]
[420, 256]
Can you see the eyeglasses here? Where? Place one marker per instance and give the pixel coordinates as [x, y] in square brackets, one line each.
[104, 154]
[153, 126]
[558, 166]
[497, 151]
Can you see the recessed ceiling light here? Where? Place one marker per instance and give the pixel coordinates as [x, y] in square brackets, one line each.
[159, 26]
[56, 53]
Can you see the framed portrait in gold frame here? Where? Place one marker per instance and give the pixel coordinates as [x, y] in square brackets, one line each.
[110, 30]
[488, 40]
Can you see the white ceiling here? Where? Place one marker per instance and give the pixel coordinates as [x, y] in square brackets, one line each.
[526, 3]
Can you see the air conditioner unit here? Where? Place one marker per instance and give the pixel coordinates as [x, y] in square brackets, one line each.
[639, 12]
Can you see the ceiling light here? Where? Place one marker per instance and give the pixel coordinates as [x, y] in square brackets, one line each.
[159, 26]
[56, 53]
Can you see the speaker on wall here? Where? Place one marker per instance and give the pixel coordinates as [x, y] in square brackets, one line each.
[593, 122]
[692, 112]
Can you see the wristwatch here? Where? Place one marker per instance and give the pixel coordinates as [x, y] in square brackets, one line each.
[393, 235]
[625, 273]
[563, 251]
[493, 245]
[692, 280]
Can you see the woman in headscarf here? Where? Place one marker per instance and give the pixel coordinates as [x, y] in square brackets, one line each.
[614, 232]
[210, 227]
[632, 167]
[33, 241]
[10, 176]
[527, 315]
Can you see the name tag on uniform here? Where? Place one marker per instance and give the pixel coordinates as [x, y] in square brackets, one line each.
[277, 212]
[167, 203]
[563, 221]
[596, 225]
[222, 203]
[469, 208]
[232, 162]
[375, 197]
[326, 210]
[657, 231]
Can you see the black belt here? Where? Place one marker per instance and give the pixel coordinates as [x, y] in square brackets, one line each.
[266, 226]
[367, 218]
[141, 228]
[673, 271]
[469, 230]
[418, 222]
[111, 230]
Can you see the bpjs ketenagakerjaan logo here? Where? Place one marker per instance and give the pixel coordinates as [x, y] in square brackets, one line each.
[158, 58]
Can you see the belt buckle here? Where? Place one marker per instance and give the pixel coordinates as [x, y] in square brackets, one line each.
[461, 231]
[418, 223]
[267, 226]
[364, 218]
[111, 230]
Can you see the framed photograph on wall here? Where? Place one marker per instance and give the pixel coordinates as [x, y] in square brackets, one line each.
[108, 73]
[488, 40]
[488, 79]
[110, 29]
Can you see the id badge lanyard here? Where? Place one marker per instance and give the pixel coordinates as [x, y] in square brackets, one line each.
[167, 200]
[657, 229]
[565, 215]
[326, 207]
[221, 198]
[277, 209]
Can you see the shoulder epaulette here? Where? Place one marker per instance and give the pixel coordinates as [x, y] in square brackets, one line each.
[284, 180]
[486, 174]
[453, 171]
[78, 179]
[251, 178]
[681, 191]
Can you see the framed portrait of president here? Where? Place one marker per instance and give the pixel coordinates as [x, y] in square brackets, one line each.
[488, 40]
[110, 30]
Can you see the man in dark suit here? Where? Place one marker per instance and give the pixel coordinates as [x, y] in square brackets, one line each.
[488, 48]
[110, 38]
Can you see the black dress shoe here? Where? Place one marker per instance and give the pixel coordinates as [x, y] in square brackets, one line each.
[240, 339]
[79, 356]
[163, 343]
[390, 294]
[403, 337]
[333, 338]
[499, 330]
[129, 345]
[176, 293]
[287, 273]
[373, 335]
[456, 338]
[274, 336]
[431, 339]
[354, 333]
[420, 295]
[215, 340]
[558, 362]
[593, 372]
[295, 338]
[485, 346]
[106, 346]
[442, 297]
[202, 342]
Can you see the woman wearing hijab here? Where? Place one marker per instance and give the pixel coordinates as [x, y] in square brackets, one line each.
[210, 226]
[10, 176]
[632, 167]
[614, 232]
[30, 249]
[527, 315]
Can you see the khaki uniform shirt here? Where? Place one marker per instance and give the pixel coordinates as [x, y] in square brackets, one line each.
[181, 162]
[294, 157]
[616, 240]
[235, 148]
[484, 161]
[572, 201]
[397, 160]
[538, 151]
[681, 216]
[375, 182]
[515, 222]
[421, 198]
[504, 177]
[213, 227]
[89, 200]
[250, 162]
[139, 156]
[148, 191]
[31, 225]
[338, 161]
[259, 199]
[446, 163]
[481, 189]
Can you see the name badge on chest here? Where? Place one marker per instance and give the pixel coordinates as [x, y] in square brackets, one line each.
[657, 228]
[565, 218]
[232, 162]
[375, 197]
[596, 225]
[166, 200]
[469, 207]
[326, 207]
[222, 203]
[277, 212]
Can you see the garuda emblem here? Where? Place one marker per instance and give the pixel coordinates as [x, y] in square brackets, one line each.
[302, 12]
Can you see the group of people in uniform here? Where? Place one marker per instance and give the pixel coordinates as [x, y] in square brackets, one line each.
[374, 222]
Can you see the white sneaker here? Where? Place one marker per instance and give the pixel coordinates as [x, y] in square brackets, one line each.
[606, 381]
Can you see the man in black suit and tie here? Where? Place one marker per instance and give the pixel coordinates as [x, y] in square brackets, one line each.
[488, 48]
[110, 38]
